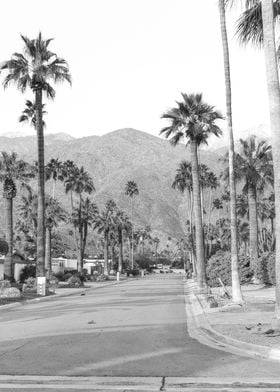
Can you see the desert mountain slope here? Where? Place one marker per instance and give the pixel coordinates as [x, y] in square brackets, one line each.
[120, 156]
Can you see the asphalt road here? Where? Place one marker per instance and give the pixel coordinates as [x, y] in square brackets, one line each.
[137, 328]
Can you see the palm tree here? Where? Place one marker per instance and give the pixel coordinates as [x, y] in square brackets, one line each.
[78, 182]
[156, 242]
[236, 289]
[82, 217]
[204, 173]
[274, 108]
[26, 224]
[69, 172]
[122, 225]
[192, 122]
[131, 190]
[249, 27]
[104, 224]
[54, 171]
[218, 205]
[35, 69]
[261, 23]
[212, 183]
[254, 166]
[11, 170]
[54, 214]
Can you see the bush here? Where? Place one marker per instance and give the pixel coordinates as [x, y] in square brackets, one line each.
[133, 272]
[264, 269]
[102, 278]
[30, 282]
[29, 271]
[74, 281]
[4, 284]
[219, 266]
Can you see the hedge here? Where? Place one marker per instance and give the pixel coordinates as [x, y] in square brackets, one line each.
[219, 266]
[265, 268]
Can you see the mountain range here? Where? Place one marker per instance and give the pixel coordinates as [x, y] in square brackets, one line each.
[117, 157]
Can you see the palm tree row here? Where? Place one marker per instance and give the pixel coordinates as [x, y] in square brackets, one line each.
[257, 26]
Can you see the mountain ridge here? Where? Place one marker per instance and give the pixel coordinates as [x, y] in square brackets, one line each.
[117, 157]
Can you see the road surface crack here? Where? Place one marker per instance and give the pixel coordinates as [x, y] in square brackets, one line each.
[13, 350]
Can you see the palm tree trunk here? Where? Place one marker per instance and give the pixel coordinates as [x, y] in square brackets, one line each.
[54, 186]
[236, 289]
[132, 235]
[272, 234]
[8, 264]
[274, 108]
[199, 240]
[40, 265]
[193, 256]
[253, 224]
[85, 234]
[106, 272]
[120, 251]
[80, 251]
[49, 250]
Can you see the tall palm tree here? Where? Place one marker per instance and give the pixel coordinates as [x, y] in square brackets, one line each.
[218, 205]
[78, 182]
[82, 217]
[131, 190]
[104, 224]
[35, 69]
[254, 166]
[274, 108]
[156, 242]
[249, 27]
[69, 172]
[122, 225]
[54, 170]
[193, 121]
[26, 224]
[11, 170]
[236, 289]
[260, 29]
[54, 214]
[183, 182]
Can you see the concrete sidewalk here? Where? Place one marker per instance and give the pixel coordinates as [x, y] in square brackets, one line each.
[244, 329]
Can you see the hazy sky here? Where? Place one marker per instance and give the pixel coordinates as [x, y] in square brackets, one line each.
[129, 60]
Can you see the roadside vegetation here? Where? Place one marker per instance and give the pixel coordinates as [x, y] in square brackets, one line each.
[232, 230]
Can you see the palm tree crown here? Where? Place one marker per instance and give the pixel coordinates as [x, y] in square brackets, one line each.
[12, 169]
[36, 67]
[191, 120]
[183, 177]
[79, 181]
[131, 189]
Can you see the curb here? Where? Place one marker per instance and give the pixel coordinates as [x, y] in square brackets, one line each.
[56, 296]
[200, 328]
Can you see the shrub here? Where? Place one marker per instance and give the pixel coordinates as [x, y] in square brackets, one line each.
[30, 282]
[4, 284]
[74, 281]
[133, 272]
[27, 272]
[219, 266]
[264, 269]
[102, 278]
